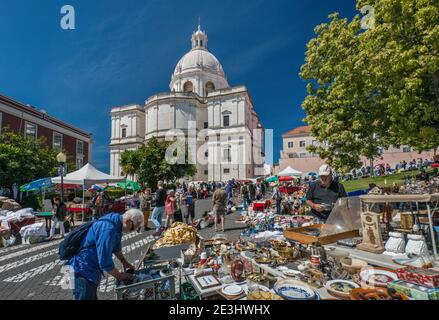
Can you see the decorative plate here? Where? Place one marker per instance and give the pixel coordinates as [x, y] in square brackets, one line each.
[232, 290]
[294, 290]
[378, 277]
[340, 288]
[291, 273]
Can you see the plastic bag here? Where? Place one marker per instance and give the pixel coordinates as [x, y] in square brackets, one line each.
[345, 216]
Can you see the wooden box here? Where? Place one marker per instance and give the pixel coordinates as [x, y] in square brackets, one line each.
[303, 235]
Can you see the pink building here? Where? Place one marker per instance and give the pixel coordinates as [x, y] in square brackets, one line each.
[295, 154]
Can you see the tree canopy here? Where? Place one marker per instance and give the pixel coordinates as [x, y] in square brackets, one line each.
[23, 160]
[150, 163]
[377, 87]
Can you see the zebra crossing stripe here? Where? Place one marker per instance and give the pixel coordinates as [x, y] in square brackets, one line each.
[30, 250]
[30, 259]
[49, 266]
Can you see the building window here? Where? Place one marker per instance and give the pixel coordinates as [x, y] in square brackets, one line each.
[57, 141]
[303, 155]
[206, 125]
[227, 155]
[226, 171]
[206, 172]
[302, 144]
[226, 121]
[124, 132]
[188, 87]
[406, 149]
[79, 147]
[79, 163]
[210, 87]
[206, 154]
[31, 131]
[290, 145]
[241, 140]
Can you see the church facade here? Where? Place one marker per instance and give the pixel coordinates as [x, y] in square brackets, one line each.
[218, 120]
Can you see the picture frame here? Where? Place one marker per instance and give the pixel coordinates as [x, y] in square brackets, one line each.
[207, 281]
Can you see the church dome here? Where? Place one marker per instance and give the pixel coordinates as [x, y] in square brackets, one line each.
[199, 59]
[199, 70]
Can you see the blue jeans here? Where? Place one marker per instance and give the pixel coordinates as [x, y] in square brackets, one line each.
[157, 216]
[84, 289]
[278, 207]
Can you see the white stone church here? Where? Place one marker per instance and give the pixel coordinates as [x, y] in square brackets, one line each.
[230, 136]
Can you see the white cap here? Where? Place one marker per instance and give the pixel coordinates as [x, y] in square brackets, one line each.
[325, 170]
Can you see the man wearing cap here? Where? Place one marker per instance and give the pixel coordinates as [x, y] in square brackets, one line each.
[324, 193]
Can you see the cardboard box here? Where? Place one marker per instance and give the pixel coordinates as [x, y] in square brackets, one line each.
[414, 291]
[425, 277]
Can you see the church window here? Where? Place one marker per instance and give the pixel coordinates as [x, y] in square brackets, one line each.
[124, 132]
[206, 125]
[188, 87]
[226, 121]
[210, 87]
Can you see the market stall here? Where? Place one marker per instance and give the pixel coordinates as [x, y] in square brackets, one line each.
[87, 176]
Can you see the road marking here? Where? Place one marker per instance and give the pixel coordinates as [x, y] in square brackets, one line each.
[27, 251]
[33, 272]
[30, 259]
[49, 266]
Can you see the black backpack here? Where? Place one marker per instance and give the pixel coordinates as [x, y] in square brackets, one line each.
[72, 243]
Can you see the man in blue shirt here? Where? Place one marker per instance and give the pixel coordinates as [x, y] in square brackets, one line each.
[103, 239]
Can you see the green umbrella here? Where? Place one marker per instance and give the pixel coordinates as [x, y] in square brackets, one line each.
[272, 179]
[129, 185]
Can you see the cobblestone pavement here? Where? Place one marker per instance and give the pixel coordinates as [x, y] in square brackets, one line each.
[34, 272]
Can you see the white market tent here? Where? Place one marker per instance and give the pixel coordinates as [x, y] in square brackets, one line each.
[290, 172]
[87, 175]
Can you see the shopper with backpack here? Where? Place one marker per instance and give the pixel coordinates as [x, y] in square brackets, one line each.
[277, 196]
[89, 251]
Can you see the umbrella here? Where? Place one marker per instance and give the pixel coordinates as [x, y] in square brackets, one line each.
[37, 185]
[96, 187]
[272, 179]
[312, 174]
[129, 185]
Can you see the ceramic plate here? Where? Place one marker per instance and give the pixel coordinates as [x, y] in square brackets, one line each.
[291, 273]
[232, 290]
[340, 287]
[378, 277]
[295, 290]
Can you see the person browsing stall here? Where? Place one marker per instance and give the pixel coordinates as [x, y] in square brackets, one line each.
[324, 193]
[95, 256]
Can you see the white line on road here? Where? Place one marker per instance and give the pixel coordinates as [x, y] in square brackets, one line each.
[33, 272]
[27, 251]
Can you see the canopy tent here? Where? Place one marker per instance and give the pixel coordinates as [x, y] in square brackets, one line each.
[129, 185]
[287, 178]
[87, 175]
[289, 172]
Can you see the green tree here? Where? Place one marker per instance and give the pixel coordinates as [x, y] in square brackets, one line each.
[23, 160]
[130, 161]
[155, 167]
[377, 87]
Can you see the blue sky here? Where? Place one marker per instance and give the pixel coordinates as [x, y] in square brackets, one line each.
[122, 52]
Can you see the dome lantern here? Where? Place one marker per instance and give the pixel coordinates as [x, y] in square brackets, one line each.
[199, 39]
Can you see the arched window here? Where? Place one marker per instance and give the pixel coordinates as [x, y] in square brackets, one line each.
[210, 87]
[188, 87]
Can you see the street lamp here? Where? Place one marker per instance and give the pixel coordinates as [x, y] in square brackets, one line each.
[62, 159]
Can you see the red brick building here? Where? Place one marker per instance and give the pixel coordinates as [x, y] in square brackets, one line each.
[34, 124]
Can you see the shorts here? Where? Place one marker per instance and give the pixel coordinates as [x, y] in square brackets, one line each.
[188, 212]
[219, 212]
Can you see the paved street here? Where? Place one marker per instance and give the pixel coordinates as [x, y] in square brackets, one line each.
[34, 271]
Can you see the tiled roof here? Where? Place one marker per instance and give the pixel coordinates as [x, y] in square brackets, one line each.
[298, 130]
